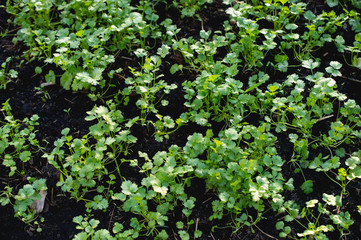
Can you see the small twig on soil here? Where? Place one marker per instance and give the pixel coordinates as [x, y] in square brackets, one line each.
[52, 195]
[13, 30]
[7, 46]
[127, 58]
[115, 57]
[68, 101]
[6, 180]
[324, 118]
[111, 217]
[212, 237]
[47, 84]
[119, 75]
[196, 228]
[265, 233]
[36, 170]
[192, 69]
[175, 236]
[351, 79]
[206, 200]
[116, 54]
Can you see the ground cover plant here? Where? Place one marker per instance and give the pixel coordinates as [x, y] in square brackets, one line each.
[180, 119]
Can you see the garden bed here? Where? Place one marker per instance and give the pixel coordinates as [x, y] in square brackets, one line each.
[180, 120]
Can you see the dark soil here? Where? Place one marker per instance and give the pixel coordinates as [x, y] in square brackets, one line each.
[26, 100]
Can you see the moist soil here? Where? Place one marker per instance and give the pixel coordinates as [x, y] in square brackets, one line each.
[26, 99]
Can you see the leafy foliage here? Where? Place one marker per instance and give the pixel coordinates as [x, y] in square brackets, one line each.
[229, 83]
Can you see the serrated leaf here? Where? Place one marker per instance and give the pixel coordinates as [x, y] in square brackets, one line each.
[66, 80]
[128, 187]
[353, 162]
[312, 203]
[307, 187]
[50, 77]
[332, 3]
[162, 190]
[280, 225]
[174, 68]
[291, 26]
[310, 64]
[329, 199]
[309, 15]
[335, 64]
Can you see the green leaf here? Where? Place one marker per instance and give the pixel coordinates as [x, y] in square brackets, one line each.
[4, 201]
[277, 160]
[262, 78]
[354, 173]
[212, 78]
[25, 156]
[340, 43]
[180, 225]
[99, 202]
[329, 199]
[309, 15]
[162, 235]
[163, 51]
[357, 3]
[335, 64]
[356, 62]
[198, 233]
[353, 162]
[293, 137]
[66, 80]
[26, 192]
[289, 185]
[267, 161]
[103, 234]
[175, 67]
[310, 64]
[78, 219]
[231, 134]
[84, 77]
[291, 26]
[162, 190]
[341, 152]
[40, 184]
[128, 187]
[332, 3]
[96, 130]
[272, 88]
[183, 235]
[307, 187]
[50, 77]
[312, 203]
[168, 122]
[333, 163]
[38, 70]
[283, 66]
[280, 225]
[118, 227]
[81, 236]
[205, 35]
[280, 58]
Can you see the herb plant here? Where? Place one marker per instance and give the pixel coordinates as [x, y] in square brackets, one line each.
[263, 91]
